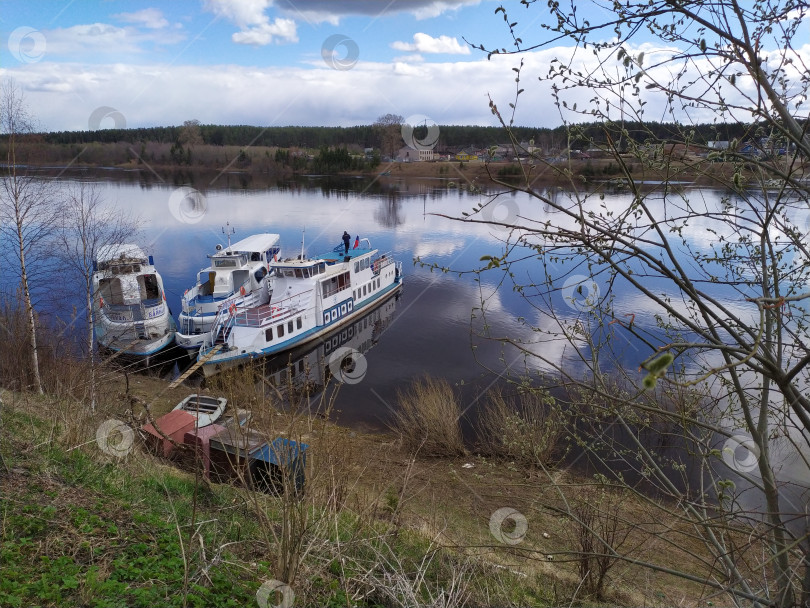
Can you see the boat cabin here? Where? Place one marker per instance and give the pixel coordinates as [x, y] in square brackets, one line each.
[231, 268]
[126, 276]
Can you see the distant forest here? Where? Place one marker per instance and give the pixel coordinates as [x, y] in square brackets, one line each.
[371, 136]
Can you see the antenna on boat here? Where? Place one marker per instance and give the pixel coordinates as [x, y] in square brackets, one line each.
[303, 232]
[228, 232]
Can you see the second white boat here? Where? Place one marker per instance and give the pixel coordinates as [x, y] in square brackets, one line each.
[238, 275]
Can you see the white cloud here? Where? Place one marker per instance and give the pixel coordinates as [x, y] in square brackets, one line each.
[408, 58]
[264, 33]
[424, 43]
[151, 18]
[104, 39]
[243, 13]
[64, 95]
[250, 16]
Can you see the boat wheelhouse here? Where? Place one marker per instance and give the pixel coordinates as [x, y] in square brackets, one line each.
[130, 311]
[310, 298]
[237, 275]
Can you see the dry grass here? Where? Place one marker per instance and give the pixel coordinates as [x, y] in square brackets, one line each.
[427, 420]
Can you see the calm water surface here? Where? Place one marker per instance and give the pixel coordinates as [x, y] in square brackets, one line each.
[429, 329]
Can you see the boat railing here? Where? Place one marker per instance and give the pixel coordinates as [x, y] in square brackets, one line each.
[131, 313]
[273, 312]
[250, 297]
[381, 261]
[222, 323]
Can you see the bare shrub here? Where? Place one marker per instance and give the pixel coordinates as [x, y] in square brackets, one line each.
[597, 532]
[527, 429]
[428, 419]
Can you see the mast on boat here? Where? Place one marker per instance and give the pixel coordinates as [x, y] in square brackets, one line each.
[228, 233]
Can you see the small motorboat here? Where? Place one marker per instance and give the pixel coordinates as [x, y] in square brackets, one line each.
[204, 408]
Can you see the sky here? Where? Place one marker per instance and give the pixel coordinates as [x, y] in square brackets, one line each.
[108, 63]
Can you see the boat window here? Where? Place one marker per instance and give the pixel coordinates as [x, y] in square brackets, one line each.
[357, 267]
[280, 330]
[111, 291]
[289, 273]
[298, 323]
[148, 287]
[260, 274]
[255, 256]
[299, 274]
[364, 290]
[321, 267]
[268, 334]
[227, 263]
[289, 326]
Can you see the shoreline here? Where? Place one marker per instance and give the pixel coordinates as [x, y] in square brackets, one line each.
[574, 173]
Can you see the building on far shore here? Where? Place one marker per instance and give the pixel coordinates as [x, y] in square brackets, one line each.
[466, 155]
[409, 155]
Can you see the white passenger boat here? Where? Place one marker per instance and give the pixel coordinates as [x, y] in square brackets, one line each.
[130, 311]
[310, 298]
[238, 275]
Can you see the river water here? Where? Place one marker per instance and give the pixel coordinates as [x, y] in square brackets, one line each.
[434, 326]
[428, 329]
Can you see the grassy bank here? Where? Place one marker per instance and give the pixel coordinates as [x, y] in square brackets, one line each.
[383, 521]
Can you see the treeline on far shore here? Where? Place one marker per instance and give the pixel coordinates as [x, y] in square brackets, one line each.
[374, 136]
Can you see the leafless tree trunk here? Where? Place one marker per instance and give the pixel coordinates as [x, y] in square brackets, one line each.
[27, 208]
[86, 226]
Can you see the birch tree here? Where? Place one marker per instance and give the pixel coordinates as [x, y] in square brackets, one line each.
[27, 208]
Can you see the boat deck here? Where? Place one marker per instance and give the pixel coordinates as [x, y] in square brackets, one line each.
[337, 256]
[272, 312]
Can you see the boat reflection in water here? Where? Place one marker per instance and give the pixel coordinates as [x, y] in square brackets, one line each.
[338, 356]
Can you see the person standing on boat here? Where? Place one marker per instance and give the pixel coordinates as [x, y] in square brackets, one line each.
[346, 240]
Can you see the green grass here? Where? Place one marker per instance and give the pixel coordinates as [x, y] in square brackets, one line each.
[78, 528]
